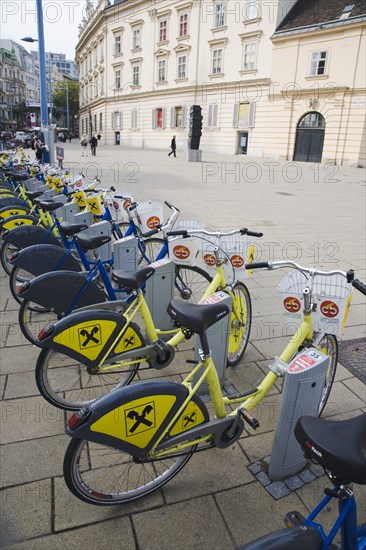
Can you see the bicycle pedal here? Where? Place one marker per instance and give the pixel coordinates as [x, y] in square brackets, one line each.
[292, 519]
[248, 417]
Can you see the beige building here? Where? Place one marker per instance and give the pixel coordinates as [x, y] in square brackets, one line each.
[143, 63]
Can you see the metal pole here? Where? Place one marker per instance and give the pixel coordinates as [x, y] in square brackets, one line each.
[50, 88]
[67, 106]
[42, 79]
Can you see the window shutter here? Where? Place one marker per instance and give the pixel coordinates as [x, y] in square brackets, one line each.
[153, 124]
[121, 120]
[164, 117]
[235, 116]
[136, 118]
[172, 117]
[184, 116]
[251, 115]
[112, 121]
[215, 115]
[132, 119]
[209, 117]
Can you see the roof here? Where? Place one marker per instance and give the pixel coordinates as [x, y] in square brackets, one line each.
[314, 12]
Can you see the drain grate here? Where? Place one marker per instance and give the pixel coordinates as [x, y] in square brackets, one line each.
[352, 355]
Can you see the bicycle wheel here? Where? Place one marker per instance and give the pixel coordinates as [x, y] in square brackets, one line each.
[32, 318]
[68, 384]
[190, 283]
[240, 324]
[328, 344]
[18, 277]
[148, 250]
[106, 476]
[7, 251]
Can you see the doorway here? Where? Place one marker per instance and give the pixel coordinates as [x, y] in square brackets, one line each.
[243, 143]
[310, 138]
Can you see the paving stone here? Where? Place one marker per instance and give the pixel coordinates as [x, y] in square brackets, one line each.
[306, 476]
[18, 359]
[316, 469]
[29, 418]
[167, 528]
[263, 478]
[21, 385]
[2, 385]
[99, 536]
[341, 400]
[72, 512]
[15, 336]
[255, 468]
[26, 512]
[294, 482]
[32, 460]
[277, 489]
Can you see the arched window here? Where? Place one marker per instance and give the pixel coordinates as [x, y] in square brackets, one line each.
[312, 120]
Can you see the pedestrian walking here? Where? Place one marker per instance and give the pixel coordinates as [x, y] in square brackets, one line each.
[70, 137]
[173, 147]
[38, 146]
[84, 146]
[93, 145]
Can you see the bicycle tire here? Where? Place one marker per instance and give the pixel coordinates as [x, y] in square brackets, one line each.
[239, 328]
[7, 250]
[53, 368]
[148, 250]
[18, 277]
[191, 282]
[328, 344]
[32, 318]
[79, 470]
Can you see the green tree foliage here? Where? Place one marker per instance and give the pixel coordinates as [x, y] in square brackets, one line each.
[59, 96]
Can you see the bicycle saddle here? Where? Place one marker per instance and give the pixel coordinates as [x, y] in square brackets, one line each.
[49, 206]
[33, 194]
[91, 243]
[196, 317]
[132, 279]
[337, 446]
[69, 229]
[20, 176]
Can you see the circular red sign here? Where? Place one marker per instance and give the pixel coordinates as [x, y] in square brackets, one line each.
[237, 261]
[329, 309]
[153, 222]
[209, 259]
[292, 304]
[115, 205]
[126, 204]
[181, 252]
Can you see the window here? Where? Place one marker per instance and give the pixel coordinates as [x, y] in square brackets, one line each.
[178, 117]
[212, 116]
[136, 39]
[101, 50]
[82, 126]
[182, 66]
[136, 75]
[162, 70]
[134, 119]
[244, 115]
[312, 120]
[117, 120]
[117, 44]
[163, 27]
[95, 122]
[252, 9]
[217, 61]
[250, 49]
[219, 14]
[159, 118]
[183, 24]
[318, 63]
[117, 78]
[100, 122]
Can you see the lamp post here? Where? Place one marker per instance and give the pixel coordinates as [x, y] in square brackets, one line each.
[48, 156]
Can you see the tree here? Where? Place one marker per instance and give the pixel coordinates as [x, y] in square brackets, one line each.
[59, 97]
[20, 112]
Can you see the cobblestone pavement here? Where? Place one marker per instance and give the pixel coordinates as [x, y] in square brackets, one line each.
[312, 213]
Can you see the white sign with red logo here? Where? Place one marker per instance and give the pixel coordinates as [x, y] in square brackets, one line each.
[306, 360]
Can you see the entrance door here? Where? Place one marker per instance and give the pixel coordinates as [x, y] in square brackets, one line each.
[310, 138]
[243, 143]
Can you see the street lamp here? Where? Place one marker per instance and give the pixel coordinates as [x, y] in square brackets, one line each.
[47, 156]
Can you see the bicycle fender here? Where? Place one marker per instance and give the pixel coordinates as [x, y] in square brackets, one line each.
[57, 291]
[300, 537]
[13, 211]
[133, 418]
[21, 237]
[16, 221]
[86, 336]
[44, 258]
[11, 201]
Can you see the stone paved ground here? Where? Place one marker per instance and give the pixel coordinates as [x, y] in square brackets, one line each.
[312, 213]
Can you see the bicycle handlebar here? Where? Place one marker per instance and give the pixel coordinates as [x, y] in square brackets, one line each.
[163, 226]
[191, 232]
[288, 263]
[360, 286]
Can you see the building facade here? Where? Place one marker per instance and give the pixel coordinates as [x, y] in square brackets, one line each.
[142, 64]
[13, 85]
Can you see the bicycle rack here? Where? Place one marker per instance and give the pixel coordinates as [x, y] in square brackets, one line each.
[159, 292]
[125, 252]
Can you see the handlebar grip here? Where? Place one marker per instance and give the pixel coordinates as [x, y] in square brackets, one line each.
[151, 232]
[361, 287]
[132, 206]
[254, 234]
[182, 233]
[169, 205]
[257, 265]
[113, 189]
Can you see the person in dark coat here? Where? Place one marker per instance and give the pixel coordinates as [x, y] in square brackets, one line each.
[173, 147]
[93, 145]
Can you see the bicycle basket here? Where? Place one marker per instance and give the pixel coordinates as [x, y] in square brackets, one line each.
[149, 214]
[331, 297]
[239, 249]
[118, 207]
[185, 251]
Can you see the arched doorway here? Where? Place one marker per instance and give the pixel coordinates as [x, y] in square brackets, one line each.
[310, 138]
